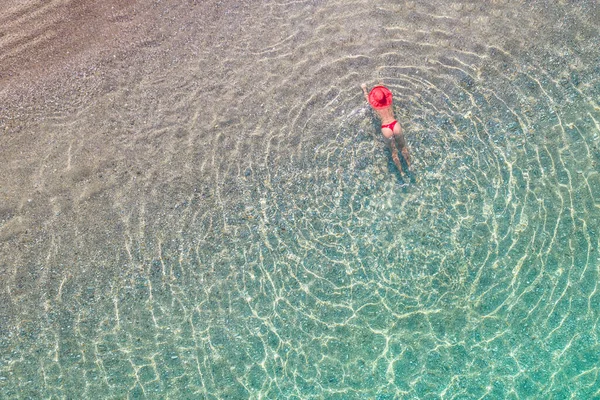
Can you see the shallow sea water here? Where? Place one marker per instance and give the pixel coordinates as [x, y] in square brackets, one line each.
[208, 211]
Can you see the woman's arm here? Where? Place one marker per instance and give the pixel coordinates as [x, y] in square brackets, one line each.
[364, 88]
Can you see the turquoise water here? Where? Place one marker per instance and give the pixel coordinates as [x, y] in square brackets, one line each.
[222, 220]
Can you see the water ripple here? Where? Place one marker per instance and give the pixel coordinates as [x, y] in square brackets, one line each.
[223, 220]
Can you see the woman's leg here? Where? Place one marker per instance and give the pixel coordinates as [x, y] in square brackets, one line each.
[394, 150]
[401, 143]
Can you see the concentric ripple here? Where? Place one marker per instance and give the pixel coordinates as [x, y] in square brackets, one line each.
[211, 213]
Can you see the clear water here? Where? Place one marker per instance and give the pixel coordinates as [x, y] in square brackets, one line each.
[212, 213]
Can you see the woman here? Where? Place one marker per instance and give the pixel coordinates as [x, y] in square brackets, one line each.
[380, 98]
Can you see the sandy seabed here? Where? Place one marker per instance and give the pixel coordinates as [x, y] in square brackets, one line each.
[195, 200]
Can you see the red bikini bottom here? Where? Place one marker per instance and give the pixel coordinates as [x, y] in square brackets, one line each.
[390, 125]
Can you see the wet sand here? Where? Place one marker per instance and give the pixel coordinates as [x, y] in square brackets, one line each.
[40, 38]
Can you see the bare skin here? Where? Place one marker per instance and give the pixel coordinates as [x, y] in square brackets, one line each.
[394, 139]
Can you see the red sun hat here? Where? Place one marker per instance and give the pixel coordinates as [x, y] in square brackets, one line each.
[380, 97]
